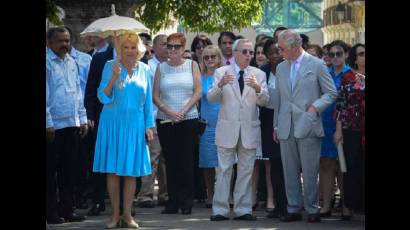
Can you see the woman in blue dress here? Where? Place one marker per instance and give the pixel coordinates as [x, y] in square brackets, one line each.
[328, 160]
[125, 125]
[208, 158]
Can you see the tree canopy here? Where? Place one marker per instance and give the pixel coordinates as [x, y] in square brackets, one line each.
[196, 15]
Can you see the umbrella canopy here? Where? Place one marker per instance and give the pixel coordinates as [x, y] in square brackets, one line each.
[105, 27]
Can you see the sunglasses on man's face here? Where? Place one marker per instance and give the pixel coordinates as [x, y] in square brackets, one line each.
[207, 57]
[333, 54]
[176, 46]
[361, 54]
[246, 51]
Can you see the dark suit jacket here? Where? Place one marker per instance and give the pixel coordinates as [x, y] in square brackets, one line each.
[91, 102]
[269, 147]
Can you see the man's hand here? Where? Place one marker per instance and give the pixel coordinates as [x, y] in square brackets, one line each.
[83, 130]
[91, 124]
[253, 83]
[50, 134]
[312, 109]
[227, 78]
[149, 135]
[275, 136]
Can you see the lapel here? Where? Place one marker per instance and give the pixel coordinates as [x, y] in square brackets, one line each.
[287, 74]
[301, 70]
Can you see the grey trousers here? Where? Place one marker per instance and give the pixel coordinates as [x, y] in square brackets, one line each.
[301, 156]
[148, 182]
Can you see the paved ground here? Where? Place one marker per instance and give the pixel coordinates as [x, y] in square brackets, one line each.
[199, 219]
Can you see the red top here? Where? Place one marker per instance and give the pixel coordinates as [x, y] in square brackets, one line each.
[350, 104]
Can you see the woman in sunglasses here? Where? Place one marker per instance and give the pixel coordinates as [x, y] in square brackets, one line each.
[328, 162]
[208, 158]
[198, 45]
[350, 129]
[177, 89]
[260, 58]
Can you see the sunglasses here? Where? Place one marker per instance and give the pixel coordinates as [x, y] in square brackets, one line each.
[361, 54]
[207, 57]
[333, 54]
[199, 47]
[176, 46]
[246, 51]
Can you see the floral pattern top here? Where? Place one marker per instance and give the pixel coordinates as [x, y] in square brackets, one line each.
[350, 104]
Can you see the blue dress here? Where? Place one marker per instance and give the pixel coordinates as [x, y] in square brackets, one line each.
[121, 147]
[329, 124]
[208, 157]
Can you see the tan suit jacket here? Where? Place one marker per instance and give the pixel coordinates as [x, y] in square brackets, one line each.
[238, 114]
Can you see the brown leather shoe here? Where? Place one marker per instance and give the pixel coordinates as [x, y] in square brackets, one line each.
[313, 218]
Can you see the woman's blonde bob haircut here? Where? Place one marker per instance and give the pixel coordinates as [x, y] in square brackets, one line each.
[133, 38]
[212, 50]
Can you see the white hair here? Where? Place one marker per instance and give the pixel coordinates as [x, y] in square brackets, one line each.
[236, 43]
[291, 37]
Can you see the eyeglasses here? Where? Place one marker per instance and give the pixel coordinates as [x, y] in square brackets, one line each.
[333, 54]
[207, 57]
[176, 46]
[259, 52]
[149, 52]
[199, 46]
[246, 51]
[361, 54]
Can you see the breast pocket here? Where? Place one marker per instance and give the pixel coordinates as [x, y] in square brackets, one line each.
[309, 76]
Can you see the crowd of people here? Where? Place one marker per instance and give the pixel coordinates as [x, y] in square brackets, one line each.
[129, 112]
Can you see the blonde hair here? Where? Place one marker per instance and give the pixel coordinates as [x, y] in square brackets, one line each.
[212, 49]
[135, 39]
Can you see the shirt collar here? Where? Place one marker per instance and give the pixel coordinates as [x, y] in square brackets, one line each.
[54, 56]
[102, 49]
[344, 70]
[299, 59]
[74, 52]
[237, 69]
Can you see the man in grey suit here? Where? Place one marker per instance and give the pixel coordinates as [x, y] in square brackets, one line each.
[239, 88]
[304, 89]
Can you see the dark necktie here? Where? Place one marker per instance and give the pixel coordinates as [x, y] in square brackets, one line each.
[228, 63]
[240, 80]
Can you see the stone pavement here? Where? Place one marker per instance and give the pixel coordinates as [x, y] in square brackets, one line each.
[150, 218]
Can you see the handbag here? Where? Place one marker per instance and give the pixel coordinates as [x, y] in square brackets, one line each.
[202, 123]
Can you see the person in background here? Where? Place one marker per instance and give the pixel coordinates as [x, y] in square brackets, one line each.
[125, 125]
[315, 50]
[328, 160]
[325, 57]
[147, 41]
[187, 54]
[198, 45]
[83, 62]
[305, 41]
[225, 41]
[277, 31]
[260, 58]
[145, 198]
[66, 122]
[260, 37]
[208, 158]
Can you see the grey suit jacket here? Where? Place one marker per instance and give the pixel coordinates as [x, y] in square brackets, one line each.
[314, 86]
[238, 114]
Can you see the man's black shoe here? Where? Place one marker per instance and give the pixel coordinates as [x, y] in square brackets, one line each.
[55, 220]
[146, 204]
[313, 218]
[73, 217]
[169, 211]
[273, 214]
[245, 217]
[186, 211]
[218, 218]
[96, 209]
[288, 217]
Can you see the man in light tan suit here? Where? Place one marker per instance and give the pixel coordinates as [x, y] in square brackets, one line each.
[239, 88]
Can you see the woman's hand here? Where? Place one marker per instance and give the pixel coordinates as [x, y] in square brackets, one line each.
[177, 116]
[149, 135]
[337, 137]
[116, 71]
